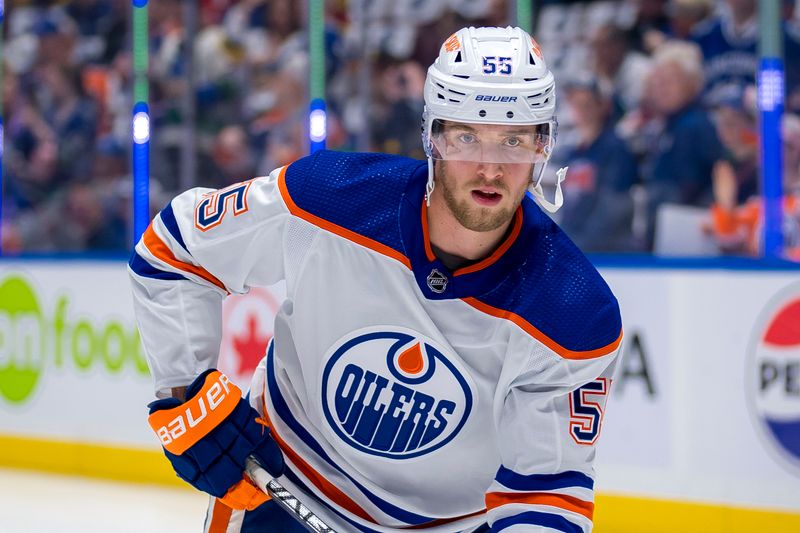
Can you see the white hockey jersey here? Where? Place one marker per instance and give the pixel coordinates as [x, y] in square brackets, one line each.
[403, 394]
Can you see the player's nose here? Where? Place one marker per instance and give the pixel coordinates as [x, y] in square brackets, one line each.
[490, 171]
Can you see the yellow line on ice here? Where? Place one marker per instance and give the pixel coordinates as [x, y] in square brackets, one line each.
[629, 514]
[124, 464]
[613, 513]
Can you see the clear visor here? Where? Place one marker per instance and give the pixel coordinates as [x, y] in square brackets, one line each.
[491, 143]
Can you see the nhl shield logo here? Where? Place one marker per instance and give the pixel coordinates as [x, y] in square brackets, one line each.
[437, 282]
[773, 377]
[393, 393]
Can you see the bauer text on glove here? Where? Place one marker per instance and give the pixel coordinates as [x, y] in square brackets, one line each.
[208, 438]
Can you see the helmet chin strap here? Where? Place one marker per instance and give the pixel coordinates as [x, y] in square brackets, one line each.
[558, 200]
[430, 185]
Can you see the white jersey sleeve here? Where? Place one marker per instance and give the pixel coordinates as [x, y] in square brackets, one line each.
[548, 424]
[202, 246]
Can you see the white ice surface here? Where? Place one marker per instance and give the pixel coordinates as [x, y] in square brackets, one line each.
[32, 502]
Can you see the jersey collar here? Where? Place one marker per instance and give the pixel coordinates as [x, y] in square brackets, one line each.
[434, 279]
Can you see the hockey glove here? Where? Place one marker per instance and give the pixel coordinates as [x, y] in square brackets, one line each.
[208, 437]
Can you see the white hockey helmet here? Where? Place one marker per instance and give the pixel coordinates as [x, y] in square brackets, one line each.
[491, 76]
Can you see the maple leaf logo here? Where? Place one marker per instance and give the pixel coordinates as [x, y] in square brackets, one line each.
[250, 346]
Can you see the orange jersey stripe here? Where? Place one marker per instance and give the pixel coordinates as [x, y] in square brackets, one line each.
[326, 487]
[160, 250]
[562, 501]
[481, 264]
[425, 236]
[220, 517]
[334, 228]
[497, 253]
[332, 492]
[538, 335]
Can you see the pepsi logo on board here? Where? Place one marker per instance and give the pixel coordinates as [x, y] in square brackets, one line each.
[774, 377]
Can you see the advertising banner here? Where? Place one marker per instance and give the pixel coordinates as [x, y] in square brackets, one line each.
[71, 361]
[71, 364]
[705, 405]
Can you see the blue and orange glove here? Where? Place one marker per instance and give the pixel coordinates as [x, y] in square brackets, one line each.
[208, 437]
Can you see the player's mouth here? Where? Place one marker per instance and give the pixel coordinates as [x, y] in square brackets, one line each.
[486, 197]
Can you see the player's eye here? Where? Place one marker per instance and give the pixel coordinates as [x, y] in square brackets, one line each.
[467, 138]
[513, 142]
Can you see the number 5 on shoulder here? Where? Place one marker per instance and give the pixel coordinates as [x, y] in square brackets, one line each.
[586, 415]
[214, 205]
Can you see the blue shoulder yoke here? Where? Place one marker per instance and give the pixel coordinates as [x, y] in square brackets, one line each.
[361, 192]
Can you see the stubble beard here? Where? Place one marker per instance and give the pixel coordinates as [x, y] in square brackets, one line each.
[480, 219]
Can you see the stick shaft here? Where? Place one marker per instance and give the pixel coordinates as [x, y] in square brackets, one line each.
[285, 499]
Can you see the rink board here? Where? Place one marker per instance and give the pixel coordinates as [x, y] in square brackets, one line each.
[711, 368]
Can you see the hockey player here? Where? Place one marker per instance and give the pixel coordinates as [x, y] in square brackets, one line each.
[443, 356]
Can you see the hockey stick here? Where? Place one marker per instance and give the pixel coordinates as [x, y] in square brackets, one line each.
[285, 499]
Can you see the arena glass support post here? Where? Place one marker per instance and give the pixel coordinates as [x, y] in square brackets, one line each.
[523, 15]
[187, 177]
[358, 11]
[317, 115]
[770, 80]
[2, 131]
[140, 122]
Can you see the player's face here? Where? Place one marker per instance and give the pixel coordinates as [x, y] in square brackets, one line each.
[483, 195]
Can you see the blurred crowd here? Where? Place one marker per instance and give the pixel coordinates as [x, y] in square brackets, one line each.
[660, 124]
[656, 104]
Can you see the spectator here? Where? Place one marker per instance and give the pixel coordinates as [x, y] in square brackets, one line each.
[737, 129]
[57, 38]
[395, 121]
[70, 114]
[598, 208]
[102, 27]
[728, 42]
[791, 154]
[52, 127]
[277, 116]
[232, 159]
[650, 26]
[737, 225]
[75, 218]
[110, 164]
[619, 66]
[678, 168]
[31, 155]
[68, 90]
[87, 224]
[684, 15]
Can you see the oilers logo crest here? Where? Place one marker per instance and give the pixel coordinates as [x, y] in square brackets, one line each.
[393, 393]
[774, 376]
